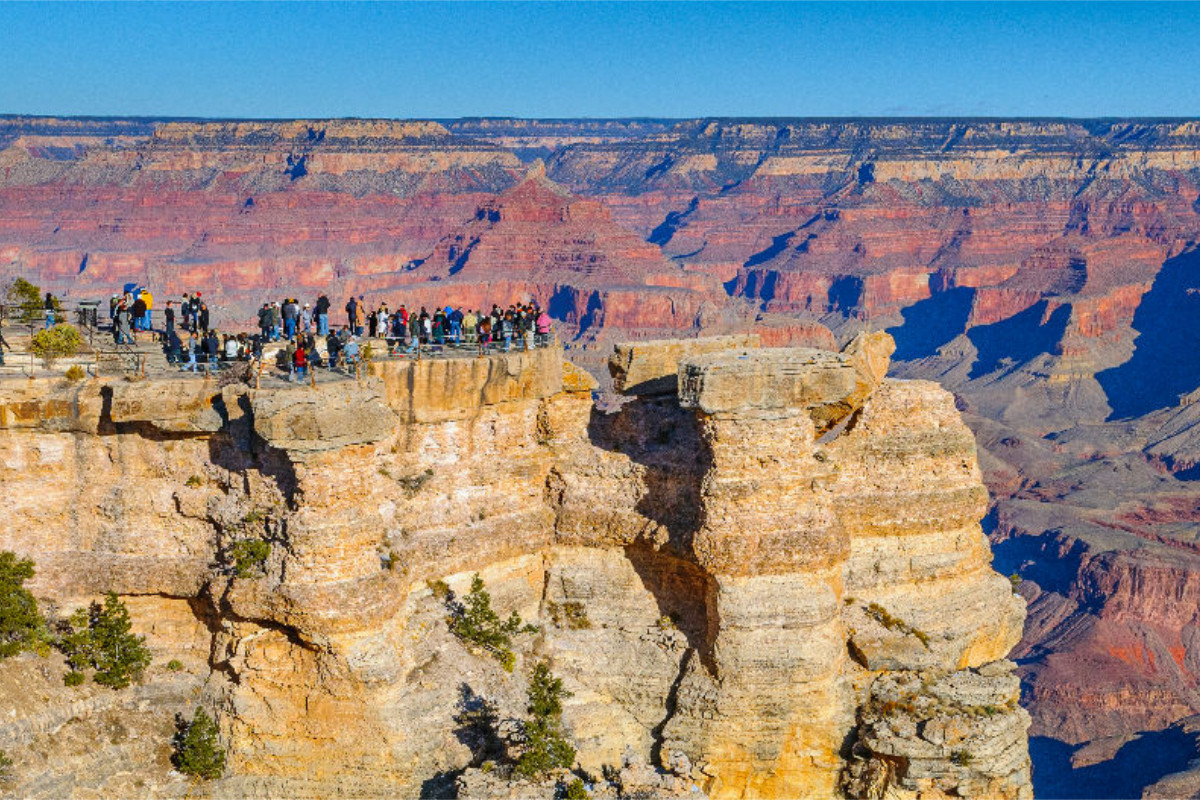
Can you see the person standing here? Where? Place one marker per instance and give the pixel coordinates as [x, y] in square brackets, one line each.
[289, 319]
[148, 299]
[124, 325]
[196, 304]
[169, 319]
[138, 309]
[306, 319]
[202, 317]
[48, 306]
[321, 311]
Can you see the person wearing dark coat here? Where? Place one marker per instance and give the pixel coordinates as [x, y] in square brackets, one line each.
[139, 313]
[321, 312]
[202, 315]
[212, 345]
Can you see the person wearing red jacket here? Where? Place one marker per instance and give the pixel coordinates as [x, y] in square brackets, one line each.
[300, 361]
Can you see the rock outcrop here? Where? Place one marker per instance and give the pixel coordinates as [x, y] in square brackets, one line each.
[731, 597]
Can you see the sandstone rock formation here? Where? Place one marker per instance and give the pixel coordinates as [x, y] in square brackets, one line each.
[1043, 271]
[744, 592]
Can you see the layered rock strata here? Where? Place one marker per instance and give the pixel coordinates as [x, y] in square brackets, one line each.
[747, 573]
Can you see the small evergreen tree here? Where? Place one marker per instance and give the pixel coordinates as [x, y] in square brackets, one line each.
[24, 301]
[474, 621]
[546, 747]
[198, 750]
[21, 625]
[99, 638]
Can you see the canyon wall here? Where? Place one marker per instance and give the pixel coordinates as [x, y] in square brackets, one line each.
[1044, 271]
[783, 584]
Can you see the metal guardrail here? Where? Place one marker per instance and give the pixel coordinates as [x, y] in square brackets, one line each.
[124, 358]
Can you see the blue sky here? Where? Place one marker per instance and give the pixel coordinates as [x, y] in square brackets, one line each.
[667, 59]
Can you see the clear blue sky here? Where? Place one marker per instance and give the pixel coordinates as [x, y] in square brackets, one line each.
[599, 59]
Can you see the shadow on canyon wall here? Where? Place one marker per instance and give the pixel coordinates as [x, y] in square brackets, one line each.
[1019, 338]
[932, 323]
[1145, 759]
[1166, 358]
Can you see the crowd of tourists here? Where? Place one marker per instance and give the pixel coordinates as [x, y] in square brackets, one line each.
[404, 328]
[133, 311]
[189, 340]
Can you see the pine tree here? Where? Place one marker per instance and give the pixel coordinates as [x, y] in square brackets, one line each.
[21, 625]
[99, 638]
[198, 750]
[546, 747]
[476, 622]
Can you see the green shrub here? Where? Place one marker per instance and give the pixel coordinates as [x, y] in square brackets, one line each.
[961, 758]
[74, 678]
[474, 621]
[57, 342]
[6, 768]
[576, 791]
[99, 638]
[440, 589]
[194, 481]
[881, 615]
[249, 557]
[545, 747]
[1015, 580]
[571, 614]
[198, 750]
[75, 373]
[21, 624]
[411, 484]
[174, 665]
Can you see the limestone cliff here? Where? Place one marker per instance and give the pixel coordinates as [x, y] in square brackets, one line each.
[783, 585]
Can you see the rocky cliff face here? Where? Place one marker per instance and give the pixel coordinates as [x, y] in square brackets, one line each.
[773, 593]
[1043, 271]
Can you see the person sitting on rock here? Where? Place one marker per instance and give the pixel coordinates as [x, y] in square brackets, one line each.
[173, 347]
[193, 345]
[333, 345]
[300, 361]
[350, 352]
